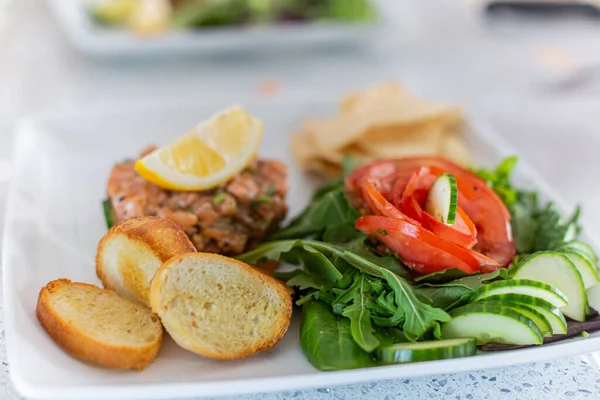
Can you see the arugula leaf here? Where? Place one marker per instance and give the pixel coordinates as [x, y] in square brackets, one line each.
[345, 296]
[341, 233]
[319, 265]
[499, 179]
[361, 247]
[416, 316]
[304, 281]
[312, 259]
[442, 276]
[386, 303]
[457, 292]
[419, 317]
[331, 209]
[360, 316]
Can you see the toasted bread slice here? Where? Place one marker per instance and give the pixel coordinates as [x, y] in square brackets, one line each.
[219, 307]
[130, 253]
[98, 325]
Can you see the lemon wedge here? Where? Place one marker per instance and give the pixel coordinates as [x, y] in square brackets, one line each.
[210, 154]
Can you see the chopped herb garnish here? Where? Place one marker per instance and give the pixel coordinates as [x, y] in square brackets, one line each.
[223, 224]
[219, 197]
[271, 191]
[264, 199]
[382, 232]
[585, 334]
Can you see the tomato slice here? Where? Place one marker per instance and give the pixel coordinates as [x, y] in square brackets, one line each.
[410, 201]
[378, 203]
[480, 203]
[463, 231]
[418, 248]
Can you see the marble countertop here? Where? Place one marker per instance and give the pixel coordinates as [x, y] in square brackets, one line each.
[501, 74]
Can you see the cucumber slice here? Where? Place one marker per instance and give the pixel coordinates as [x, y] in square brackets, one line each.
[442, 199]
[589, 273]
[593, 295]
[537, 318]
[491, 323]
[552, 314]
[522, 286]
[582, 248]
[427, 351]
[554, 268]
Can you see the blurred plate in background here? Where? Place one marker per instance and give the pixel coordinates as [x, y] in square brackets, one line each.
[92, 38]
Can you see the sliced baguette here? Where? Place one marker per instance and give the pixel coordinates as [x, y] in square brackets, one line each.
[219, 307]
[130, 253]
[98, 325]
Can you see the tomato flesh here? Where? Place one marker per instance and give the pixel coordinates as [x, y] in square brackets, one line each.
[412, 199]
[420, 249]
[404, 183]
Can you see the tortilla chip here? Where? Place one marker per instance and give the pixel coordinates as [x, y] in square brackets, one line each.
[383, 121]
[302, 148]
[322, 167]
[393, 142]
[344, 130]
[374, 94]
[454, 147]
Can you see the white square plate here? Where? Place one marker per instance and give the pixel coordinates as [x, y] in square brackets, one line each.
[93, 39]
[54, 222]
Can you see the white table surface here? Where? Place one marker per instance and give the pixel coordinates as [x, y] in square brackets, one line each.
[439, 48]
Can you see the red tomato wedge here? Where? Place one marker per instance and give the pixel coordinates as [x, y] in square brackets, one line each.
[463, 231]
[420, 249]
[410, 201]
[378, 203]
[480, 204]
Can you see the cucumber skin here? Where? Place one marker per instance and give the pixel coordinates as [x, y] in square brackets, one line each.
[450, 216]
[480, 294]
[389, 355]
[581, 315]
[530, 301]
[592, 269]
[524, 309]
[490, 309]
[583, 249]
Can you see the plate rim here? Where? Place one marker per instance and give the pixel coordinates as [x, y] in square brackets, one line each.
[81, 33]
[269, 384]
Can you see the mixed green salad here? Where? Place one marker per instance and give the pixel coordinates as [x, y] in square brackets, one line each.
[419, 259]
[154, 14]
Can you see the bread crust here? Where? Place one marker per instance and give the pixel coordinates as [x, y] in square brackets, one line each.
[84, 346]
[278, 330]
[160, 236]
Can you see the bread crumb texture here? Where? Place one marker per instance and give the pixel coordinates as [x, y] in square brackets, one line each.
[132, 251]
[220, 307]
[99, 325]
